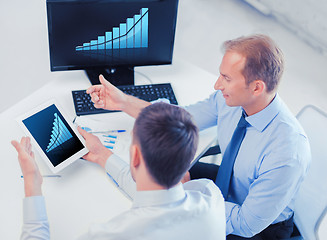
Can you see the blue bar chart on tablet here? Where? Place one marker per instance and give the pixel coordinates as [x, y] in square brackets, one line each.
[133, 33]
[59, 134]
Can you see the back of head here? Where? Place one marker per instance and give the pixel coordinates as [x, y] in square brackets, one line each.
[264, 60]
[168, 139]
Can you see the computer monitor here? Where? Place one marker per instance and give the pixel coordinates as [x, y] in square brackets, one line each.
[110, 37]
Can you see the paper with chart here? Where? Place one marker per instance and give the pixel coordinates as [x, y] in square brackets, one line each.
[115, 135]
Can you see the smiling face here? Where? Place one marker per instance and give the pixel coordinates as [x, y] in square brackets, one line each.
[232, 83]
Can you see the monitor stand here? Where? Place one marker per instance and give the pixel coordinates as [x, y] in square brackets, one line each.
[115, 75]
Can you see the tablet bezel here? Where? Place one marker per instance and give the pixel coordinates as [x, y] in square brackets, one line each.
[67, 161]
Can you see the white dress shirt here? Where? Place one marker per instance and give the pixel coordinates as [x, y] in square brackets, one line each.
[194, 210]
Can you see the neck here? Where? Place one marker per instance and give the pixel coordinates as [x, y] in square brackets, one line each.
[259, 104]
[145, 182]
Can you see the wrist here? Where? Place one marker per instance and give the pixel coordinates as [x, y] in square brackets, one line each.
[33, 186]
[125, 102]
[104, 157]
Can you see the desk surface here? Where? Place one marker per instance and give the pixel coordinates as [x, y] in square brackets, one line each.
[84, 194]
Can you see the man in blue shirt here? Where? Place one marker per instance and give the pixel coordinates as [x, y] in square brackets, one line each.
[274, 155]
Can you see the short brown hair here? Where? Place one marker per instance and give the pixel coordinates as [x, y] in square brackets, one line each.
[168, 139]
[264, 60]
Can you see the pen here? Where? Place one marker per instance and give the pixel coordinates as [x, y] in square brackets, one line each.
[110, 131]
[46, 176]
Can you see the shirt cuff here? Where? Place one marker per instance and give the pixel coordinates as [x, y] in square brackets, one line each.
[229, 208]
[34, 209]
[115, 165]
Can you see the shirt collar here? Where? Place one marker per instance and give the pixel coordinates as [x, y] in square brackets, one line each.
[261, 119]
[158, 197]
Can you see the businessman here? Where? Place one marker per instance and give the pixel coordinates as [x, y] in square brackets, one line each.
[164, 141]
[265, 151]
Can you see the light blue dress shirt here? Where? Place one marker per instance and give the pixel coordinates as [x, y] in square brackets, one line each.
[194, 210]
[269, 168]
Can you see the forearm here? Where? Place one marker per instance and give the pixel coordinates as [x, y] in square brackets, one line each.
[133, 106]
[120, 172]
[32, 187]
[35, 220]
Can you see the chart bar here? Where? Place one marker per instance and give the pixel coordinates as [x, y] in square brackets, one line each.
[101, 40]
[115, 37]
[108, 40]
[86, 46]
[137, 33]
[130, 34]
[145, 22]
[122, 33]
[94, 44]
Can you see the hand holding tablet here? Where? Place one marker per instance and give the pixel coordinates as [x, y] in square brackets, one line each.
[56, 139]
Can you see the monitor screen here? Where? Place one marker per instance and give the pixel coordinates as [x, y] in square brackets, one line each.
[86, 34]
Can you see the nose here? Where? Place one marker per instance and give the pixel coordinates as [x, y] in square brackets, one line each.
[218, 85]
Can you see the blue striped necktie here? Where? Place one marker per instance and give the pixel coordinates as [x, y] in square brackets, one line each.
[226, 167]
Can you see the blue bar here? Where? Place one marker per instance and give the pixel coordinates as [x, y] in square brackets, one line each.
[123, 35]
[64, 129]
[86, 46]
[130, 32]
[79, 48]
[110, 136]
[145, 27]
[55, 131]
[65, 134]
[94, 44]
[60, 130]
[115, 38]
[137, 33]
[101, 41]
[108, 40]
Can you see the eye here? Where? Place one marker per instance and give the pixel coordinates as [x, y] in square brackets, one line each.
[227, 79]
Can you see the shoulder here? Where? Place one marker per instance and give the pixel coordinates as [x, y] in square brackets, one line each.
[205, 187]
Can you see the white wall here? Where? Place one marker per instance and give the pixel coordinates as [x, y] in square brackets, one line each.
[306, 18]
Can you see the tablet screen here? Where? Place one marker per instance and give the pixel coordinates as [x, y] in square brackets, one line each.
[53, 134]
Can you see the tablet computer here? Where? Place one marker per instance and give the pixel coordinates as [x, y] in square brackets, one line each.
[55, 138]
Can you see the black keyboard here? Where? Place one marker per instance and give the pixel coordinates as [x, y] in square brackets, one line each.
[84, 105]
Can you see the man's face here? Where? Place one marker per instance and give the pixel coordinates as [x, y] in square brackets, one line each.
[231, 81]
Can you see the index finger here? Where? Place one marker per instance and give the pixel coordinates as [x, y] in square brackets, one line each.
[95, 88]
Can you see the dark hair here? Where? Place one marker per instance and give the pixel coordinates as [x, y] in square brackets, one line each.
[264, 60]
[168, 139]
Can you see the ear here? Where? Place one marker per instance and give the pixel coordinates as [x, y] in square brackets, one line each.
[135, 156]
[258, 87]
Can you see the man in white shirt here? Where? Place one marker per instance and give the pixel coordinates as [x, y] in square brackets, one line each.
[164, 142]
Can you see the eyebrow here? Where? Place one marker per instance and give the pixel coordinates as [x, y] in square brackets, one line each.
[224, 75]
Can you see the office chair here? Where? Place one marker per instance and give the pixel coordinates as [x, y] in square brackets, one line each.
[311, 202]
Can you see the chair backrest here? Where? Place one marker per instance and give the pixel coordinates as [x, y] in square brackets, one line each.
[311, 200]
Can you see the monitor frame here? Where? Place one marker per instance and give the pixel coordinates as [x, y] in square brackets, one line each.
[121, 73]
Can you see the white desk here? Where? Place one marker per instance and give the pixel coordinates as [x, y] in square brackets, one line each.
[84, 194]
